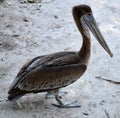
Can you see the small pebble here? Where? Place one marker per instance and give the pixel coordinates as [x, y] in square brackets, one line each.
[55, 16]
[25, 19]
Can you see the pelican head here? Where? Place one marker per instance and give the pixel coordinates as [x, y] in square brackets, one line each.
[87, 20]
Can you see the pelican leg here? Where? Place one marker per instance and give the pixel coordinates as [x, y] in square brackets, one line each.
[64, 105]
[51, 94]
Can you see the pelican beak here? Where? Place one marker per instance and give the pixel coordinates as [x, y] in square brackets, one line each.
[91, 23]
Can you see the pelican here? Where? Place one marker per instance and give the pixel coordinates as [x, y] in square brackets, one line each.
[49, 73]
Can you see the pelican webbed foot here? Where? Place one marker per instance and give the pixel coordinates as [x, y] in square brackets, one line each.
[60, 104]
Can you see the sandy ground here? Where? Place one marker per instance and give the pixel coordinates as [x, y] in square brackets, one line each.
[28, 30]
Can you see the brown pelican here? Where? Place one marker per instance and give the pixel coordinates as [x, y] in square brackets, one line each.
[49, 73]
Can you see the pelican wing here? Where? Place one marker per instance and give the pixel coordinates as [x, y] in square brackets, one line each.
[48, 72]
